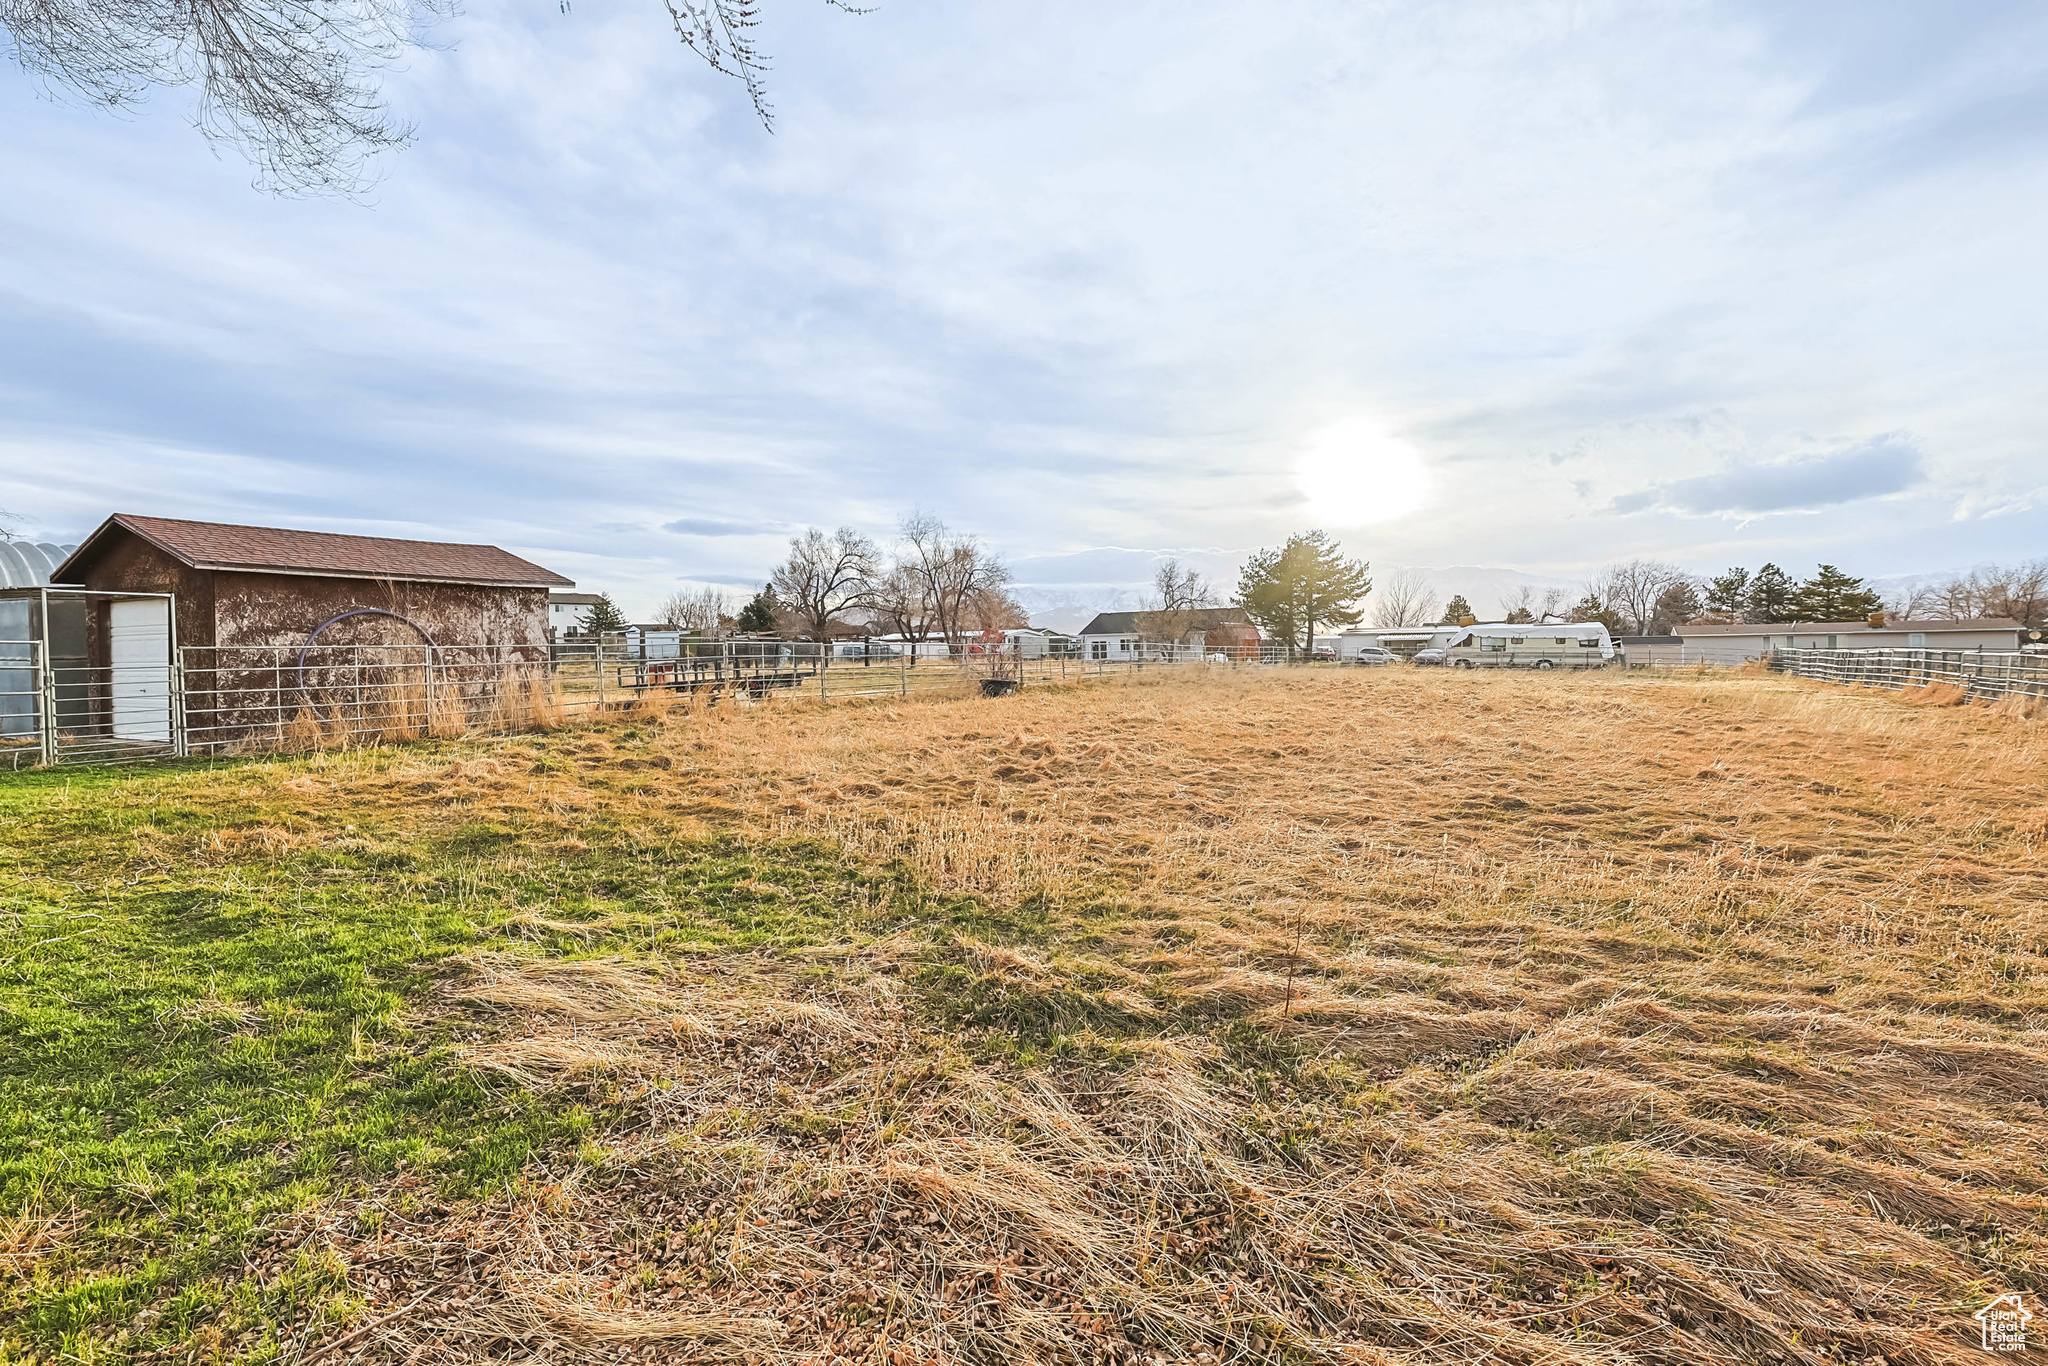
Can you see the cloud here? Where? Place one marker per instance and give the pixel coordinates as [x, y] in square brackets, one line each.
[1599, 248]
[1106, 564]
[705, 526]
[726, 580]
[1890, 463]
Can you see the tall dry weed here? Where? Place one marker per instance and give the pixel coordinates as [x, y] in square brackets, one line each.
[810, 1174]
[1383, 1016]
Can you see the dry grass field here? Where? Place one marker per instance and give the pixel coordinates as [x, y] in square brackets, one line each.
[1325, 1016]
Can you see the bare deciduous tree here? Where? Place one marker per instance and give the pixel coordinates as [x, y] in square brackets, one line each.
[1181, 588]
[1525, 604]
[824, 576]
[293, 83]
[2019, 592]
[901, 605]
[994, 609]
[1178, 592]
[1632, 590]
[945, 572]
[707, 609]
[1403, 598]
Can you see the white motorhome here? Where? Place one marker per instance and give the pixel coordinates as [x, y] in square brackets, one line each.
[1503, 645]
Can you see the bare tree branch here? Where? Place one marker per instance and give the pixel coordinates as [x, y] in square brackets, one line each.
[2019, 592]
[1403, 599]
[293, 83]
[824, 576]
[1633, 590]
[704, 610]
[944, 573]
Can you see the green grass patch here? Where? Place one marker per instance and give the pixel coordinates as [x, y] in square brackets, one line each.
[195, 1043]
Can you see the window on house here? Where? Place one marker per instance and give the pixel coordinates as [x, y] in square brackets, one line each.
[1098, 649]
[1917, 640]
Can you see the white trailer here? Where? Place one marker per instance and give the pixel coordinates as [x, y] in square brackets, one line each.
[1503, 645]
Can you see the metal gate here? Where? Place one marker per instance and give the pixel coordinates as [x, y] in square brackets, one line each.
[87, 677]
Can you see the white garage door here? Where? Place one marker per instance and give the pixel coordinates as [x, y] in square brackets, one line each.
[141, 675]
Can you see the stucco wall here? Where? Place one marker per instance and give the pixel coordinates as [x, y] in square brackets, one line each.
[283, 609]
[132, 565]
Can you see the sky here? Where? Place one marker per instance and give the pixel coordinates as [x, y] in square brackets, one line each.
[1529, 287]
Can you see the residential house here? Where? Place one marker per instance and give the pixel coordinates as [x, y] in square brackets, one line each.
[1715, 643]
[1131, 636]
[566, 612]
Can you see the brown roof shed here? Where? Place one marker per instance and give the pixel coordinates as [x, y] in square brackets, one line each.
[270, 588]
[327, 554]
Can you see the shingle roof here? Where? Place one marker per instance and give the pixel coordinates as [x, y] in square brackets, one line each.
[217, 545]
[1126, 623]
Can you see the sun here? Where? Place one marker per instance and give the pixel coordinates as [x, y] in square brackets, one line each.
[1354, 472]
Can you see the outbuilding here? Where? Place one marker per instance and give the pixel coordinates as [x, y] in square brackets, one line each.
[267, 586]
[1717, 643]
[1642, 652]
[262, 619]
[1404, 641]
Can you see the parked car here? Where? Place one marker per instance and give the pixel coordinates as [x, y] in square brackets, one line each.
[1430, 657]
[1373, 654]
[1326, 654]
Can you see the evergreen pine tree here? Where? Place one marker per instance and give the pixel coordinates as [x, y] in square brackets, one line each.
[1304, 584]
[1456, 610]
[1590, 608]
[1831, 595]
[604, 617]
[758, 616]
[1676, 605]
[1728, 594]
[1770, 596]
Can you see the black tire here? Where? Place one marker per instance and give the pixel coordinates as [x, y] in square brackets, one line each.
[1461, 663]
[1545, 664]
